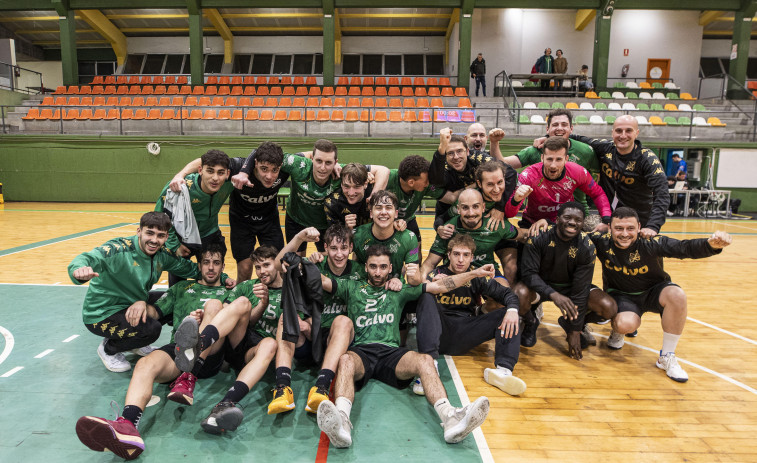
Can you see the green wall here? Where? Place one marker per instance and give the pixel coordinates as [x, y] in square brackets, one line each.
[119, 168]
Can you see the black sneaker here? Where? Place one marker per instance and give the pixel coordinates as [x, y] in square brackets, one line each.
[226, 416]
[566, 327]
[632, 335]
[528, 337]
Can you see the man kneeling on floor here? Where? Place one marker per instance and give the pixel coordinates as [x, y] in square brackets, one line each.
[197, 312]
[375, 351]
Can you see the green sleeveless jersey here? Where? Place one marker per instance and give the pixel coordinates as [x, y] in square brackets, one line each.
[402, 245]
[487, 241]
[306, 198]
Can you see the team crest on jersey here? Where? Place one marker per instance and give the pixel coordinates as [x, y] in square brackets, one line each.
[572, 251]
[135, 264]
[611, 252]
[220, 291]
[551, 244]
[658, 171]
[336, 195]
[634, 257]
[305, 186]
[128, 242]
[656, 162]
[345, 211]
[630, 166]
[393, 248]
[120, 333]
[195, 201]
[530, 241]
[107, 249]
[190, 291]
[608, 155]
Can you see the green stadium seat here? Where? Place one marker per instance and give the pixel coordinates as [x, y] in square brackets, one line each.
[632, 96]
[684, 120]
[600, 106]
[610, 119]
[656, 107]
[619, 85]
[670, 120]
[524, 119]
[642, 107]
[605, 95]
[699, 107]
[557, 105]
[582, 120]
[543, 105]
[673, 96]
[657, 85]
[528, 83]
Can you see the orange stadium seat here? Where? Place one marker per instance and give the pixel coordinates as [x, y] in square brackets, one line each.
[125, 101]
[366, 91]
[145, 80]
[301, 91]
[112, 101]
[272, 102]
[327, 91]
[190, 101]
[354, 91]
[424, 116]
[351, 116]
[135, 90]
[249, 80]
[437, 103]
[159, 90]
[204, 101]
[325, 102]
[311, 81]
[266, 115]
[199, 90]
[461, 92]
[342, 81]
[295, 115]
[365, 115]
[168, 114]
[245, 101]
[405, 82]
[337, 115]
[340, 102]
[420, 91]
[209, 114]
[274, 80]
[288, 91]
[421, 103]
[249, 91]
[341, 91]
[147, 90]
[353, 103]
[31, 115]
[217, 101]
[379, 81]
[394, 91]
[157, 80]
[109, 90]
[395, 116]
[252, 115]
[98, 90]
[368, 81]
[432, 82]
[380, 91]
[444, 82]
[419, 82]
[224, 80]
[407, 91]
[298, 80]
[408, 103]
[258, 101]
[380, 116]
[280, 115]
[395, 81]
[236, 115]
[310, 115]
[98, 115]
[395, 103]
[298, 101]
[274, 91]
[73, 101]
[285, 102]
[447, 91]
[224, 90]
[140, 114]
[410, 116]
[464, 103]
[355, 80]
[381, 103]
[150, 101]
[86, 101]
[323, 115]
[164, 101]
[366, 103]
[48, 101]
[211, 90]
[153, 115]
[313, 102]
[185, 90]
[315, 91]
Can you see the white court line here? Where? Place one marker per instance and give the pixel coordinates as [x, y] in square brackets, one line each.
[43, 353]
[680, 360]
[478, 434]
[728, 224]
[68, 239]
[751, 341]
[8, 344]
[10, 372]
[57, 283]
[71, 338]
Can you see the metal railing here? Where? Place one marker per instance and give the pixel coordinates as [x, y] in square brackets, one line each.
[18, 79]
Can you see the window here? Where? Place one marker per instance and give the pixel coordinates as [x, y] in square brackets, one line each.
[751, 68]
[726, 63]
[372, 64]
[318, 64]
[133, 64]
[282, 64]
[153, 64]
[350, 64]
[393, 64]
[710, 66]
[106, 68]
[434, 65]
[303, 64]
[241, 64]
[413, 65]
[261, 64]
[187, 64]
[213, 64]
[173, 64]
[87, 68]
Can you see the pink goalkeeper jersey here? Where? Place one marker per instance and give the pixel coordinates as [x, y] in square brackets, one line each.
[548, 194]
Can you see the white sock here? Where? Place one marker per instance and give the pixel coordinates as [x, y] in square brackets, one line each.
[343, 404]
[669, 342]
[443, 408]
[436, 364]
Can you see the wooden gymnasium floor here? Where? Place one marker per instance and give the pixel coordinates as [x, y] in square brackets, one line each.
[611, 406]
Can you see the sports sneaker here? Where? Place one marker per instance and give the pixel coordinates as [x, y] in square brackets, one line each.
[335, 424]
[503, 378]
[120, 437]
[418, 387]
[187, 339]
[633, 335]
[528, 336]
[116, 362]
[539, 312]
[143, 351]
[588, 337]
[183, 388]
[283, 400]
[669, 363]
[315, 397]
[464, 420]
[226, 416]
[615, 341]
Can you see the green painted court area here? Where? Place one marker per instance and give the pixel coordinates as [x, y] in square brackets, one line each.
[42, 402]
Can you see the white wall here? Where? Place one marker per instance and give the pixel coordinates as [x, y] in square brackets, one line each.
[647, 34]
[52, 73]
[721, 48]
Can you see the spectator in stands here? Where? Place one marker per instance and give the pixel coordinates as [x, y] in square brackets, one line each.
[478, 71]
[545, 65]
[679, 165]
[584, 84]
[561, 67]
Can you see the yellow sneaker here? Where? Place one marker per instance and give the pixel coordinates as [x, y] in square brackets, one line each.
[283, 400]
[315, 397]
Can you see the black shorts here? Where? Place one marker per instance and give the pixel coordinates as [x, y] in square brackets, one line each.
[245, 230]
[235, 355]
[380, 362]
[212, 364]
[648, 301]
[292, 228]
[413, 227]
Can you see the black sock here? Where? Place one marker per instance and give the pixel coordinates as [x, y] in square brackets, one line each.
[199, 363]
[283, 377]
[208, 336]
[592, 317]
[236, 393]
[110, 350]
[325, 377]
[133, 414]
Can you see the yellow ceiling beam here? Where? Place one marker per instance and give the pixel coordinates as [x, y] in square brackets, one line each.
[583, 18]
[223, 30]
[725, 33]
[276, 29]
[109, 31]
[396, 15]
[337, 37]
[271, 15]
[706, 17]
[394, 29]
[454, 17]
[731, 19]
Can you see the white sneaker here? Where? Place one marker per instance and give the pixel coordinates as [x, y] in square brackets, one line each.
[143, 351]
[669, 363]
[616, 340]
[418, 387]
[539, 312]
[116, 362]
[503, 378]
[335, 424]
[464, 420]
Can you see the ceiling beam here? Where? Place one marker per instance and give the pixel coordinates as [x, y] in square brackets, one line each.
[223, 30]
[396, 15]
[583, 18]
[454, 17]
[707, 17]
[109, 31]
[394, 29]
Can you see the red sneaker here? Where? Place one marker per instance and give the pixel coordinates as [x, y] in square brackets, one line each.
[182, 389]
[120, 437]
